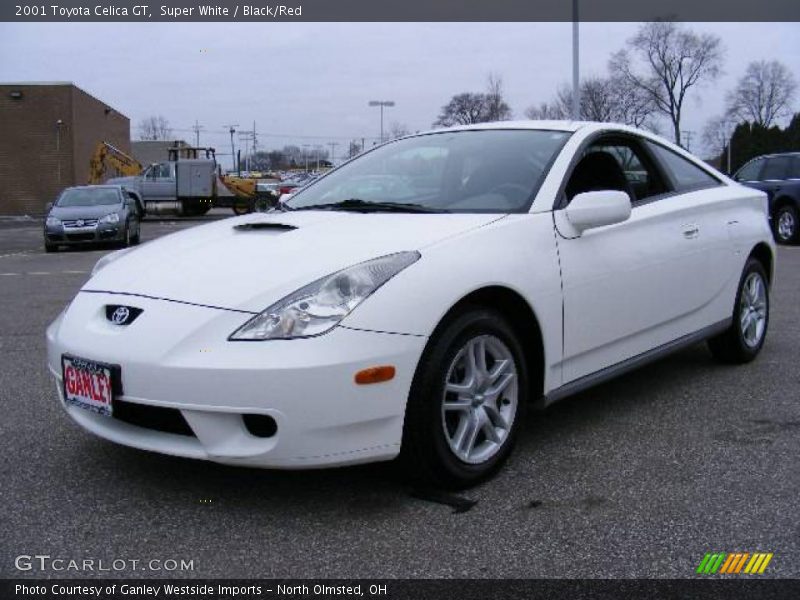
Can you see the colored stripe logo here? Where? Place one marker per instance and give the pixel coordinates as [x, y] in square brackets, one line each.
[734, 563]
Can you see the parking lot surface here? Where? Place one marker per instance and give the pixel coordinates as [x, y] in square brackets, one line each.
[640, 477]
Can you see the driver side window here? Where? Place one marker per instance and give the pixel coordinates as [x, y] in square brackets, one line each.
[619, 165]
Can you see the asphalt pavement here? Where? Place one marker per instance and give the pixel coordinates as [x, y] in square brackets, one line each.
[640, 477]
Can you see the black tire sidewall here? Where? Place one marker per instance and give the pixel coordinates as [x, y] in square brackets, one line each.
[425, 411]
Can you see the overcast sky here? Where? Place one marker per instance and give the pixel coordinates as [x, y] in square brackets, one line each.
[309, 83]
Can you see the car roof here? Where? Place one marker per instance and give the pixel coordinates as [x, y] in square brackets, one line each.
[775, 155]
[109, 186]
[546, 125]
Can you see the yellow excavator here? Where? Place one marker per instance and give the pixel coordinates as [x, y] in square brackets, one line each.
[185, 184]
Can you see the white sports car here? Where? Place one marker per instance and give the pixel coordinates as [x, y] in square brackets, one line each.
[415, 300]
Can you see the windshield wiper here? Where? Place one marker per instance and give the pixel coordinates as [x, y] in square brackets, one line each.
[359, 205]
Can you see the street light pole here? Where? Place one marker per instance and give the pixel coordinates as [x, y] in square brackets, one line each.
[382, 104]
[576, 79]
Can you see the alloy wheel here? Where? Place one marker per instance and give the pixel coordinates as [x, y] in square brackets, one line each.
[480, 399]
[753, 310]
[786, 225]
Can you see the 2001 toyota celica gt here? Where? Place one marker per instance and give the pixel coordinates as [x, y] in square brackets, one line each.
[413, 301]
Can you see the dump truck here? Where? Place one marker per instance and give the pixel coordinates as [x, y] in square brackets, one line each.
[186, 184]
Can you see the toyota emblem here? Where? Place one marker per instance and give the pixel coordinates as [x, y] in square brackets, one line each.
[120, 316]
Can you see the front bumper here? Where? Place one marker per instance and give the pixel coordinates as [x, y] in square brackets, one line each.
[102, 232]
[177, 356]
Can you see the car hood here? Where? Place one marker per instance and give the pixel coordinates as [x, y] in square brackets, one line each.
[129, 180]
[83, 212]
[247, 263]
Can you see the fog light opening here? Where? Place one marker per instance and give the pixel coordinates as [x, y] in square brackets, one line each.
[262, 426]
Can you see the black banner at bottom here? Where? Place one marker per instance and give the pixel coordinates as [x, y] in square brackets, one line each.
[397, 589]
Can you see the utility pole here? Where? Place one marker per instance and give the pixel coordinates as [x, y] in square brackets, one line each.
[232, 130]
[687, 135]
[333, 150]
[305, 153]
[576, 74]
[196, 128]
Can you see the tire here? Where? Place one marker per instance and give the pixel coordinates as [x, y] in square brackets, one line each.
[430, 433]
[785, 225]
[743, 340]
[126, 241]
[242, 207]
[50, 247]
[138, 237]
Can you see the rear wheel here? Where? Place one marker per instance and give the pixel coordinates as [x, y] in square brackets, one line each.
[784, 225]
[466, 402]
[242, 207]
[743, 340]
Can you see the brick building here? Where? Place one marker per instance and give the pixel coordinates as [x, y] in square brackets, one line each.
[48, 134]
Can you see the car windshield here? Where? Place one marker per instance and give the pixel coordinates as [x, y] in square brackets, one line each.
[472, 171]
[89, 197]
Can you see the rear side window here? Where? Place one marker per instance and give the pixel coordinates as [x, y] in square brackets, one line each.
[776, 168]
[750, 171]
[794, 168]
[686, 174]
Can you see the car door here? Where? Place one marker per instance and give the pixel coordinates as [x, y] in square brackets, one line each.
[158, 182]
[634, 286]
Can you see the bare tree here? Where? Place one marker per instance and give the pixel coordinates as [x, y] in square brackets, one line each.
[671, 60]
[155, 127]
[764, 94]
[497, 109]
[463, 109]
[469, 107]
[716, 134]
[398, 130]
[546, 111]
[602, 99]
[354, 149]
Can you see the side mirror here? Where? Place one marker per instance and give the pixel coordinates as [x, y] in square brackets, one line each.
[596, 209]
[48, 207]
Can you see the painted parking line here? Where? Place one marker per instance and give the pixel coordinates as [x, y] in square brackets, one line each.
[40, 273]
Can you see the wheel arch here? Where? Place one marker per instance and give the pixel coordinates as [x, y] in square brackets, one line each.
[763, 254]
[523, 320]
[785, 200]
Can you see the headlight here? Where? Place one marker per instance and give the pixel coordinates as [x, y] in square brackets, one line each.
[108, 259]
[320, 306]
[53, 222]
[112, 218]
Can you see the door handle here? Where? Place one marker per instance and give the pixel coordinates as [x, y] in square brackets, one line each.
[691, 231]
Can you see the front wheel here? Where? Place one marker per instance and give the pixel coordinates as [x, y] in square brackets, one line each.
[466, 402]
[784, 225]
[126, 236]
[743, 340]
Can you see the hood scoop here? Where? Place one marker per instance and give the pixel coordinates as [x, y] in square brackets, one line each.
[264, 226]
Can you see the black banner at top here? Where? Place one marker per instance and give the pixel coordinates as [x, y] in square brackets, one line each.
[397, 10]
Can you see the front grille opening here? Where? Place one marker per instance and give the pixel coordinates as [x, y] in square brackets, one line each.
[158, 418]
[262, 426]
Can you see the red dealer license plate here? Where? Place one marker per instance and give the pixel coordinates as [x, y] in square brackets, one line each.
[89, 384]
